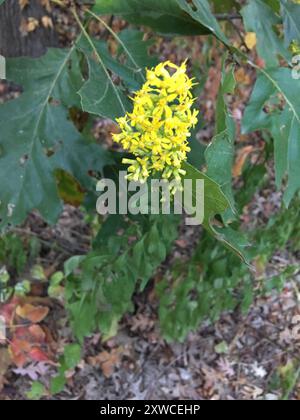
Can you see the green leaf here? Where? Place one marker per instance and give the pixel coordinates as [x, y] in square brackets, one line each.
[216, 203]
[220, 153]
[274, 4]
[133, 39]
[163, 16]
[72, 355]
[293, 162]
[112, 99]
[270, 83]
[200, 11]
[1, 1]
[222, 348]
[100, 95]
[37, 391]
[57, 384]
[261, 19]
[291, 21]
[280, 128]
[39, 137]
[72, 263]
[101, 291]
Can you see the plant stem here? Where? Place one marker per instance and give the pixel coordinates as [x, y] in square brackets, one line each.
[88, 38]
[233, 16]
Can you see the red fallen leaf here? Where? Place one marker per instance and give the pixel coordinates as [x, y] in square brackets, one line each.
[19, 350]
[22, 333]
[24, 347]
[37, 333]
[38, 355]
[32, 313]
[19, 359]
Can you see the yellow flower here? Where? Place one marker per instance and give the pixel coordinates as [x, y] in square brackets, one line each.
[156, 132]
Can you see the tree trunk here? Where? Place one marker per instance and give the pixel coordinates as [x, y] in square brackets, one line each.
[14, 40]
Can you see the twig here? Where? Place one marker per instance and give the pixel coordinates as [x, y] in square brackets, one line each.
[59, 3]
[226, 16]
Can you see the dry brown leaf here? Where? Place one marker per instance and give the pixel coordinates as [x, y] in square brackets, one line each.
[107, 361]
[47, 22]
[241, 159]
[46, 4]
[32, 24]
[252, 392]
[242, 77]
[28, 25]
[32, 313]
[23, 4]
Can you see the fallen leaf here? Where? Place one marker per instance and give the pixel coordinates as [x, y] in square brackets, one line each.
[242, 77]
[34, 370]
[32, 313]
[28, 25]
[37, 333]
[19, 350]
[37, 355]
[250, 40]
[258, 371]
[23, 4]
[5, 362]
[252, 392]
[32, 24]
[226, 367]
[46, 4]
[47, 22]
[107, 361]
[241, 159]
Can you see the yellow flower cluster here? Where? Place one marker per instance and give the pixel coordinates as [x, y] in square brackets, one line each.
[157, 130]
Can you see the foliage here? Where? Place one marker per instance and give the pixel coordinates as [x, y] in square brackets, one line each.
[198, 291]
[106, 279]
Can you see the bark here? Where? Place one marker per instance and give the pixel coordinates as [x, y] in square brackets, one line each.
[13, 42]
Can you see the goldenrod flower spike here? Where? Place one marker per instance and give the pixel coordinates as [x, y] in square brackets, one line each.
[157, 130]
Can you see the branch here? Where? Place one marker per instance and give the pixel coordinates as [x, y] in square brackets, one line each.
[226, 16]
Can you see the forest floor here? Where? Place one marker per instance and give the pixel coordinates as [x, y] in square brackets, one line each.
[253, 356]
[239, 357]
